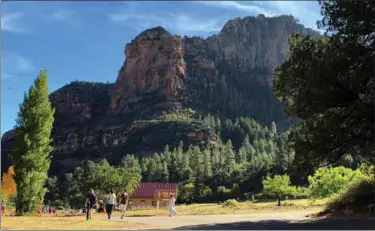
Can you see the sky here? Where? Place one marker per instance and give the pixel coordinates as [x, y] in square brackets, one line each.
[86, 40]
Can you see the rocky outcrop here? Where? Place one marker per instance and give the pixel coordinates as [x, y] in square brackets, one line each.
[228, 74]
[255, 43]
[231, 73]
[154, 64]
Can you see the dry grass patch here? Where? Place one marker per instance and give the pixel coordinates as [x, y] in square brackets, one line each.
[67, 223]
[241, 208]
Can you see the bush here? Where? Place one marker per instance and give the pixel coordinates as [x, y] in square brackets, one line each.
[231, 203]
[58, 203]
[355, 198]
[205, 195]
[222, 193]
[236, 191]
[187, 194]
[250, 196]
[329, 181]
[301, 193]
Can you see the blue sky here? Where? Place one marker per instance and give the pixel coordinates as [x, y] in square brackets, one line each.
[86, 40]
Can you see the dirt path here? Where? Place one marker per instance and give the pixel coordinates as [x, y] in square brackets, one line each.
[284, 220]
[193, 220]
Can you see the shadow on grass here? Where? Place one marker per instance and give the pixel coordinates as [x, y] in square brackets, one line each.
[317, 224]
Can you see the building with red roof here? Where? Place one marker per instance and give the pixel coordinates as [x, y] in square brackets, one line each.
[152, 194]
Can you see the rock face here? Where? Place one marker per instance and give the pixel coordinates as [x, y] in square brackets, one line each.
[154, 65]
[228, 74]
[231, 73]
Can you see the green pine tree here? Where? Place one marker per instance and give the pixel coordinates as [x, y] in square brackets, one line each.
[215, 161]
[151, 170]
[31, 155]
[196, 161]
[230, 158]
[207, 165]
[165, 174]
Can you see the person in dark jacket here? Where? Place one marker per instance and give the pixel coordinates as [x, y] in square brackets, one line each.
[91, 197]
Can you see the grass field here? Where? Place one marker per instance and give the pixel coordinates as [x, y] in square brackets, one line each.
[67, 223]
[99, 221]
[244, 207]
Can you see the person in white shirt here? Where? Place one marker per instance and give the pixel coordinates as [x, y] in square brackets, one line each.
[111, 200]
[172, 206]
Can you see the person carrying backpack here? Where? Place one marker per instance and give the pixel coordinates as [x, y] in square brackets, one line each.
[91, 197]
[123, 203]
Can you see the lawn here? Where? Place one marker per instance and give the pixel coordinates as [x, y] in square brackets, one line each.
[67, 223]
[243, 208]
[100, 222]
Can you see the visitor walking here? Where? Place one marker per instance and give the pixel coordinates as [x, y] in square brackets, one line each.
[91, 198]
[123, 203]
[2, 207]
[172, 206]
[111, 200]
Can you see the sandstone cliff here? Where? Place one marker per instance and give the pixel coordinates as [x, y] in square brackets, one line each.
[154, 64]
[227, 74]
[231, 73]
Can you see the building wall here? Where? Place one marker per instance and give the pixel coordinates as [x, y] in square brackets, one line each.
[137, 203]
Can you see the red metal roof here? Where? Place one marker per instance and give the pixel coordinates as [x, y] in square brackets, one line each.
[148, 189]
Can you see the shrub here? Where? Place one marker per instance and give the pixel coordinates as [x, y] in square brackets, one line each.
[250, 196]
[356, 197]
[231, 203]
[187, 193]
[58, 203]
[329, 181]
[301, 192]
[235, 191]
[205, 195]
[222, 193]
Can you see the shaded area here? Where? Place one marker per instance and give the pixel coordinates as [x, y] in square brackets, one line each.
[321, 224]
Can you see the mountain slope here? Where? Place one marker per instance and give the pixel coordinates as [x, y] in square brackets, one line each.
[163, 78]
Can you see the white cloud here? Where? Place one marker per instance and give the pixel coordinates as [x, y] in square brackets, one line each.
[180, 23]
[239, 6]
[11, 23]
[308, 12]
[62, 14]
[13, 65]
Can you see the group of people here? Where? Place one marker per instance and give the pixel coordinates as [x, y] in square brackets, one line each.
[122, 203]
[110, 202]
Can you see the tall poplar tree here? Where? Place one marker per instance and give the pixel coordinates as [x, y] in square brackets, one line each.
[31, 153]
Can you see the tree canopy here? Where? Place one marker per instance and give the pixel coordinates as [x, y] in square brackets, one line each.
[328, 83]
[8, 185]
[31, 153]
[328, 181]
[278, 186]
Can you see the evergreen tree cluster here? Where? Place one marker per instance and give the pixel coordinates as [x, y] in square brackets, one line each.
[245, 153]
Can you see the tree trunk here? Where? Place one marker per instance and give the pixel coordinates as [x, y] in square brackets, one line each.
[19, 208]
[278, 201]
